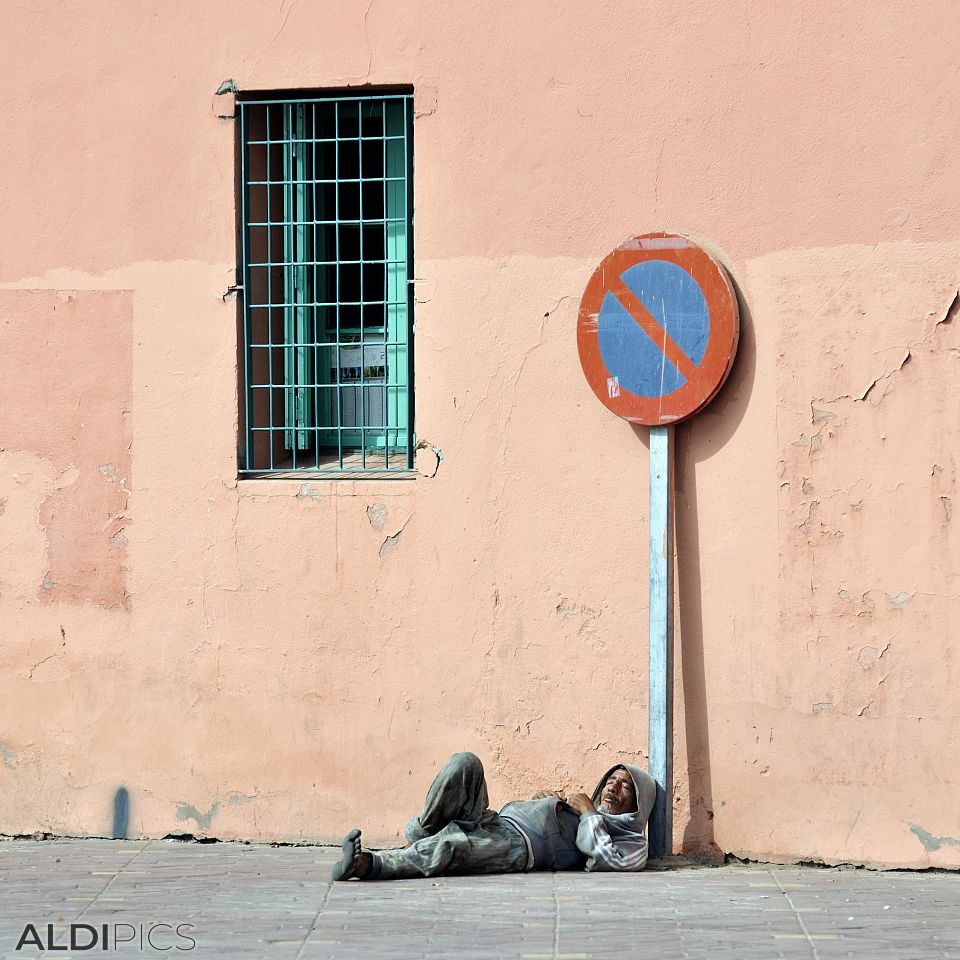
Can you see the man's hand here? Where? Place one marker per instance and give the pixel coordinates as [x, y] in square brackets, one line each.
[543, 794]
[581, 803]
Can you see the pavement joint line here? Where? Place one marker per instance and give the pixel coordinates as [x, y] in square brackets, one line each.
[806, 933]
[316, 920]
[556, 920]
[800, 936]
[113, 880]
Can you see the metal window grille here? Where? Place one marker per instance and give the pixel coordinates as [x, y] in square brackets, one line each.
[326, 206]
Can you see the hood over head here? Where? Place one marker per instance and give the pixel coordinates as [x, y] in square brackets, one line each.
[645, 788]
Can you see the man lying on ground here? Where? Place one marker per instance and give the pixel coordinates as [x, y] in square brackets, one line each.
[458, 833]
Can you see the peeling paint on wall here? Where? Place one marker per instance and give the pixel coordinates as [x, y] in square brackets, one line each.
[187, 811]
[585, 619]
[428, 458]
[391, 542]
[899, 601]
[236, 798]
[879, 388]
[8, 758]
[377, 516]
[869, 656]
[930, 842]
[388, 546]
[53, 666]
[308, 492]
[225, 100]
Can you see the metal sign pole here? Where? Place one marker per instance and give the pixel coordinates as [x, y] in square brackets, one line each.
[657, 333]
[660, 725]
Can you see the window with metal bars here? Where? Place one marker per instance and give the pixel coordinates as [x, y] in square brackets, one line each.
[326, 211]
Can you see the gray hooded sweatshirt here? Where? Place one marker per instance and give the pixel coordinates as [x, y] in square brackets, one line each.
[558, 839]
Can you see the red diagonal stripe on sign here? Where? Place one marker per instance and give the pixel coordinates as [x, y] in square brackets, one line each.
[629, 301]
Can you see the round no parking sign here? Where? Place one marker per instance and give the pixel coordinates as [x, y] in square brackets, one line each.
[658, 329]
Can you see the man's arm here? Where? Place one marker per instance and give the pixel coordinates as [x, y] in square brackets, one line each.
[595, 842]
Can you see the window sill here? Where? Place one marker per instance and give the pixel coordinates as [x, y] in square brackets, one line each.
[303, 475]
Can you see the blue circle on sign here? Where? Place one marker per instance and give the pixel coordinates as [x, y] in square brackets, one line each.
[677, 305]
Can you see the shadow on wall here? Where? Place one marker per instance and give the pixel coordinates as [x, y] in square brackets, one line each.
[695, 440]
[698, 439]
[121, 813]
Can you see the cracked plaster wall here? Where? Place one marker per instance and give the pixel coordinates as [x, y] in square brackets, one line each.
[250, 659]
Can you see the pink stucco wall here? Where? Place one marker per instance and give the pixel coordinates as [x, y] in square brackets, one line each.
[249, 660]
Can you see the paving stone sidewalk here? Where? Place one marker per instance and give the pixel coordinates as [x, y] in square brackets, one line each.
[277, 902]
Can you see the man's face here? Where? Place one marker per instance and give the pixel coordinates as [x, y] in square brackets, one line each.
[618, 794]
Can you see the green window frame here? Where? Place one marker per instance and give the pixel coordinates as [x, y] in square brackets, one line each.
[327, 259]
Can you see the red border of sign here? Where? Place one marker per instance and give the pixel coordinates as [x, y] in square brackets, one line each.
[703, 381]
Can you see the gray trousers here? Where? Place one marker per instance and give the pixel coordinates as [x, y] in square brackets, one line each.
[456, 832]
